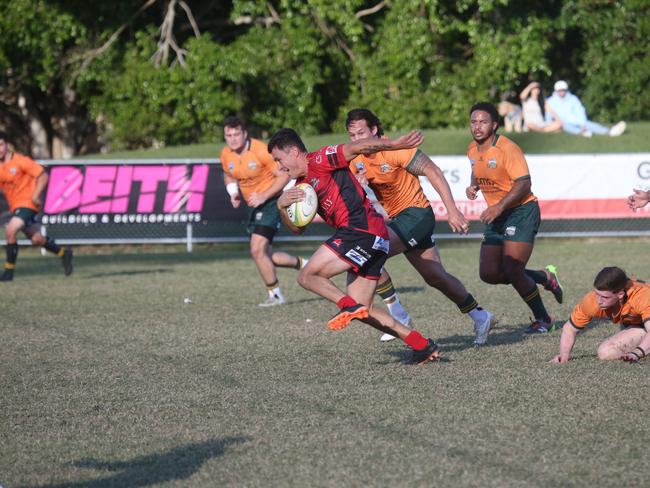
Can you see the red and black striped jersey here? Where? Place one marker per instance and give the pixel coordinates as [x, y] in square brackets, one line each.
[342, 202]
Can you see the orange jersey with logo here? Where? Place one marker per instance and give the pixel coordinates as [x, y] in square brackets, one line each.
[395, 188]
[634, 311]
[497, 169]
[253, 169]
[18, 181]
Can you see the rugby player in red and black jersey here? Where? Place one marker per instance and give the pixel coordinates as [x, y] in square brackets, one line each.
[360, 244]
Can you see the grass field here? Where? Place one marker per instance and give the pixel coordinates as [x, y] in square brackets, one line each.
[110, 380]
[438, 142]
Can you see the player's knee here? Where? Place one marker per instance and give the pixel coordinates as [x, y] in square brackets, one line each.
[489, 277]
[38, 240]
[608, 352]
[303, 279]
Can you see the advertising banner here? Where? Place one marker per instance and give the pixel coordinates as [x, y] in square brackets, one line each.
[568, 187]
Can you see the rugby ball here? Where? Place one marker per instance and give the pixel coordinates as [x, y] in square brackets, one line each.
[302, 212]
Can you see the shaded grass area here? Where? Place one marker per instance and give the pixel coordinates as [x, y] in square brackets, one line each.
[437, 142]
[109, 379]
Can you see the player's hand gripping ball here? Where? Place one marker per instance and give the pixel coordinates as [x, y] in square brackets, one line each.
[301, 213]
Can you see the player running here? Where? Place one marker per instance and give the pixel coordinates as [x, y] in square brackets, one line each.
[393, 177]
[623, 301]
[360, 244]
[249, 171]
[512, 218]
[23, 182]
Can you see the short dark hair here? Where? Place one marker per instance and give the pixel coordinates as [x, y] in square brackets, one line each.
[485, 107]
[611, 279]
[371, 119]
[4, 136]
[234, 121]
[285, 138]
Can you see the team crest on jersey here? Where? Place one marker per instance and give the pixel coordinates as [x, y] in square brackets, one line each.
[360, 167]
[12, 171]
[511, 230]
[319, 159]
[259, 215]
[252, 165]
[381, 244]
[472, 162]
[330, 150]
[384, 168]
[413, 242]
[314, 182]
[231, 166]
[492, 163]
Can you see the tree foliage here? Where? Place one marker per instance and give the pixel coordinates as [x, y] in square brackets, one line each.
[148, 72]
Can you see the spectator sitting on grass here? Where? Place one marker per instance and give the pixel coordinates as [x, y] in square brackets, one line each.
[567, 108]
[531, 101]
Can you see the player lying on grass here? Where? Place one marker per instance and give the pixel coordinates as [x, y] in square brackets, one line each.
[393, 177]
[360, 245]
[23, 181]
[623, 301]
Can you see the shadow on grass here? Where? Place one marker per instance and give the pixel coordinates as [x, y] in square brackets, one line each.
[129, 273]
[176, 464]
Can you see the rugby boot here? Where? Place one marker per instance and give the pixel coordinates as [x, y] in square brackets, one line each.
[429, 353]
[553, 283]
[346, 315]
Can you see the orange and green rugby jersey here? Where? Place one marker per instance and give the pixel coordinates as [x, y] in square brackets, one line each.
[253, 169]
[395, 188]
[634, 311]
[497, 169]
[18, 180]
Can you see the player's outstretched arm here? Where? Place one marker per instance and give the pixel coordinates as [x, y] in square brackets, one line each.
[287, 198]
[373, 144]
[423, 166]
[568, 339]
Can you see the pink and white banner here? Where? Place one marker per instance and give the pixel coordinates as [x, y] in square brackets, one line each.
[580, 186]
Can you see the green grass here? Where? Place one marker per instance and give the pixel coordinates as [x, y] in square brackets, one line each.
[440, 142]
[109, 380]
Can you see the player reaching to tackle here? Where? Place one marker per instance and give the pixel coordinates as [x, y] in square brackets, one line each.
[393, 177]
[250, 172]
[23, 182]
[360, 244]
[512, 218]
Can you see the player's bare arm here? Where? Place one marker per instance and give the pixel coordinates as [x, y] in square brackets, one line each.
[39, 188]
[373, 145]
[287, 198]
[643, 349]
[281, 180]
[568, 339]
[520, 189]
[423, 166]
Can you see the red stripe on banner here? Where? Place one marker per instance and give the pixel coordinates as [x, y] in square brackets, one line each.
[594, 208]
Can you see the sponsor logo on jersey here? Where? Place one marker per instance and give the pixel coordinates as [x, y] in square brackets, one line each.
[381, 244]
[330, 150]
[314, 182]
[337, 242]
[511, 230]
[492, 163]
[384, 168]
[355, 257]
